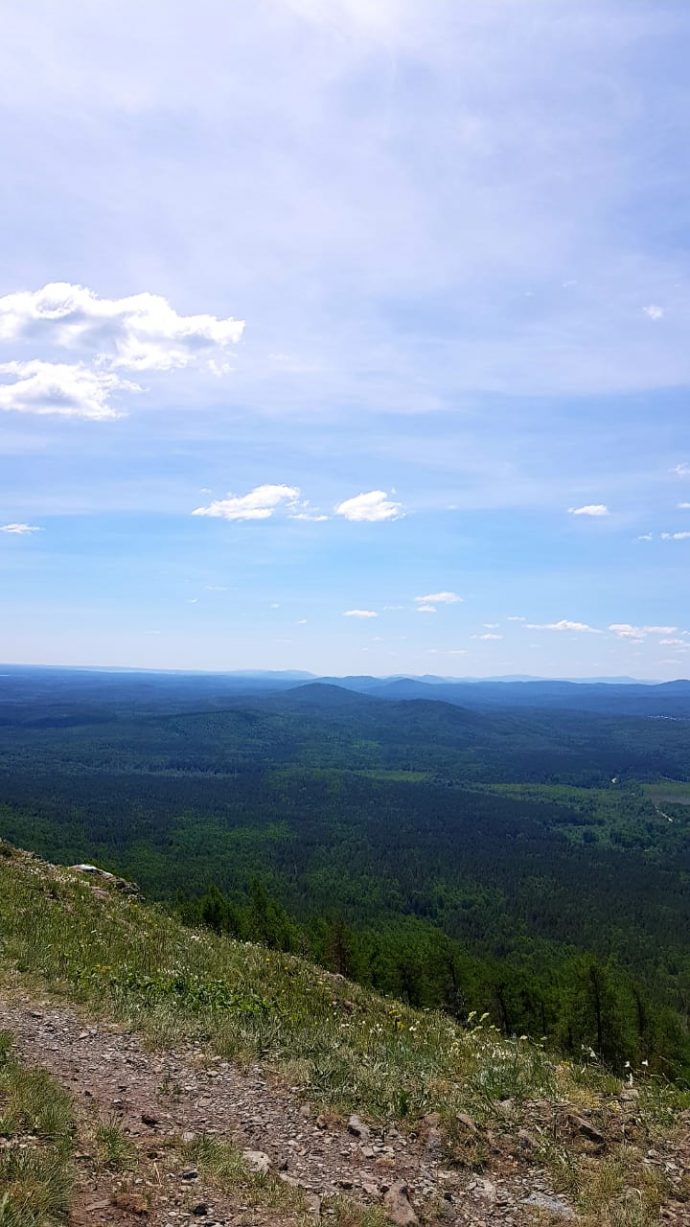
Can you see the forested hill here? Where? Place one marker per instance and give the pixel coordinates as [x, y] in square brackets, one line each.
[527, 861]
[159, 690]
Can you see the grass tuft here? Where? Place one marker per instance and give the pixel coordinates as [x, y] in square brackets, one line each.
[35, 1163]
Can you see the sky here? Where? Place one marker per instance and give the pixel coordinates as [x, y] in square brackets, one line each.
[346, 336]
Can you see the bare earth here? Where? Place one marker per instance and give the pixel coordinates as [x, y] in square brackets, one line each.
[158, 1097]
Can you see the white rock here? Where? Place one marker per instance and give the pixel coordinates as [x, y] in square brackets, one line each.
[257, 1161]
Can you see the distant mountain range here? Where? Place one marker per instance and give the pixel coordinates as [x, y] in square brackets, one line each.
[169, 689]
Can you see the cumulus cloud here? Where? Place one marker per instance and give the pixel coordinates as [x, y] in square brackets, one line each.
[259, 504]
[590, 509]
[674, 643]
[645, 537]
[624, 630]
[564, 625]
[654, 312]
[440, 598]
[683, 506]
[487, 635]
[681, 470]
[360, 613]
[20, 530]
[68, 390]
[370, 507]
[680, 536]
[140, 332]
[516, 618]
[427, 609]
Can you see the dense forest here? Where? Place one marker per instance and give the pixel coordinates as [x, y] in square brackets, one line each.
[514, 858]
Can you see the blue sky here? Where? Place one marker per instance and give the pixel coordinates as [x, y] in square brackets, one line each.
[347, 337]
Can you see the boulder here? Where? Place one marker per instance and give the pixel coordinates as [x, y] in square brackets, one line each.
[358, 1129]
[398, 1207]
[257, 1161]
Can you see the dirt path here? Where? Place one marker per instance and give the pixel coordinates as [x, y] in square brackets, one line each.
[158, 1097]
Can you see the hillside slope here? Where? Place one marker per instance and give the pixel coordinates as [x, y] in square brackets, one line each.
[194, 1052]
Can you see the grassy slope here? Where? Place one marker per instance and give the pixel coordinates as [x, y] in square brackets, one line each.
[344, 1047]
[36, 1126]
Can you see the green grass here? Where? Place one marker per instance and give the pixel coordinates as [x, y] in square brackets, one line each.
[342, 1046]
[346, 1047]
[668, 792]
[115, 1151]
[35, 1165]
[224, 1165]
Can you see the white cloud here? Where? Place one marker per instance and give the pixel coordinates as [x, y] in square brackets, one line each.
[68, 390]
[20, 530]
[516, 618]
[673, 643]
[683, 506]
[140, 332]
[563, 625]
[623, 630]
[370, 507]
[259, 504]
[488, 635]
[680, 536]
[491, 626]
[681, 470]
[645, 537]
[654, 312]
[431, 609]
[590, 509]
[440, 598]
[308, 513]
[360, 613]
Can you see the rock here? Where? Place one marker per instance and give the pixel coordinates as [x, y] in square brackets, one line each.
[100, 873]
[465, 1122]
[554, 1205]
[358, 1129]
[190, 1173]
[397, 1205]
[586, 1128]
[127, 888]
[257, 1161]
[526, 1140]
[434, 1142]
[629, 1094]
[188, 1137]
[485, 1189]
[200, 1210]
[432, 1119]
[148, 1119]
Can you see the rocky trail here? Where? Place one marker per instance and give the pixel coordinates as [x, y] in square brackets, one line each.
[161, 1101]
